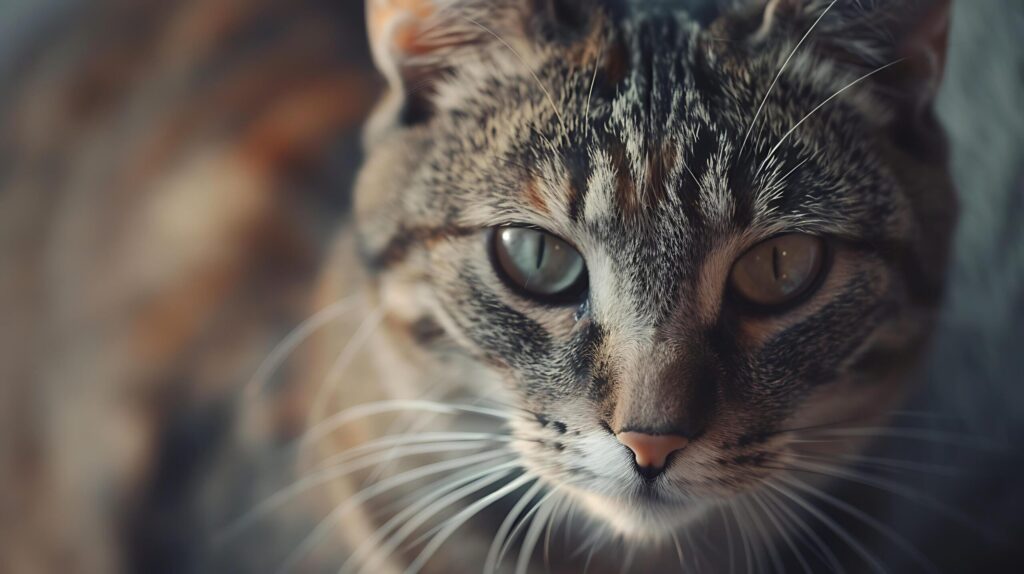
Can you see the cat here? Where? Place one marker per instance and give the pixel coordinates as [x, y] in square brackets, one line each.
[646, 242]
[626, 286]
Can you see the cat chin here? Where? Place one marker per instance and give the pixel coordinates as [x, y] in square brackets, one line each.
[641, 520]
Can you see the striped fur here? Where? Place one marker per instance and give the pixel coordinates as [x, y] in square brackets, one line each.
[626, 133]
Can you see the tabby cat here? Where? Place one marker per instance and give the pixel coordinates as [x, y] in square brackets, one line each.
[624, 286]
[675, 252]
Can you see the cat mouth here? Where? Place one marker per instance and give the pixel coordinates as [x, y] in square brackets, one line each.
[643, 511]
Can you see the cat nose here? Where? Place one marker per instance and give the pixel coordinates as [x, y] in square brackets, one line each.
[651, 450]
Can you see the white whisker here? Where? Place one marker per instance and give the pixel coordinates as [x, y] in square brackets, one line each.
[492, 562]
[349, 415]
[547, 94]
[327, 475]
[785, 136]
[822, 549]
[325, 525]
[342, 363]
[889, 533]
[590, 92]
[523, 522]
[446, 439]
[832, 525]
[783, 531]
[782, 69]
[533, 534]
[679, 551]
[453, 523]
[413, 522]
[280, 353]
[885, 485]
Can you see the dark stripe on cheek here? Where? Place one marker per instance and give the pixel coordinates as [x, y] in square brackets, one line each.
[406, 240]
[813, 349]
[504, 334]
[924, 288]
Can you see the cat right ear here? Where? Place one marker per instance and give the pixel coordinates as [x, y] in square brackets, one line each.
[416, 44]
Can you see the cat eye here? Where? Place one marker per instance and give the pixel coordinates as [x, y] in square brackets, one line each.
[780, 270]
[538, 264]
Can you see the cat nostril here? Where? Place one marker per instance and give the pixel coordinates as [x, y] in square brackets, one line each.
[651, 451]
[649, 472]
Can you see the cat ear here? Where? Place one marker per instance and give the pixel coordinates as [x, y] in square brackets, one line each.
[417, 43]
[906, 37]
[413, 42]
[898, 47]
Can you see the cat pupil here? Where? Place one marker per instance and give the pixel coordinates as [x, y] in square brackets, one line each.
[779, 270]
[537, 264]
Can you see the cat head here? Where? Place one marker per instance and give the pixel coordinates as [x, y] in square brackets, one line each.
[675, 237]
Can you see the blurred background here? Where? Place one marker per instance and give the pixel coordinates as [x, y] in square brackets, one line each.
[171, 175]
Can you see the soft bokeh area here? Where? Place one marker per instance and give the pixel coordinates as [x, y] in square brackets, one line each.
[171, 175]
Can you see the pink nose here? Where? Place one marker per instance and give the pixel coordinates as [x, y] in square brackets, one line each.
[652, 450]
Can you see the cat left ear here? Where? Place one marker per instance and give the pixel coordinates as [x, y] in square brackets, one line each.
[907, 35]
[897, 46]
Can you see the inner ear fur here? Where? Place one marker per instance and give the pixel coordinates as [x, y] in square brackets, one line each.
[417, 43]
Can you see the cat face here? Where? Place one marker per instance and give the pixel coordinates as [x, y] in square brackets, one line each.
[672, 255]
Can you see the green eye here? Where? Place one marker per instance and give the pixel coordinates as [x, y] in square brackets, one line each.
[539, 265]
[780, 270]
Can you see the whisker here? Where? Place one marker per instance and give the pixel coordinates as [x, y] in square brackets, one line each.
[832, 525]
[280, 353]
[441, 439]
[596, 541]
[889, 533]
[748, 553]
[321, 477]
[492, 562]
[416, 521]
[783, 531]
[533, 534]
[419, 502]
[352, 414]
[884, 485]
[547, 94]
[924, 435]
[325, 525]
[627, 560]
[785, 136]
[333, 379]
[523, 522]
[693, 550]
[590, 92]
[728, 539]
[560, 505]
[764, 537]
[782, 69]
[408, 422]
[453, 523]
[884, 463]
[821, 548]
[679, 550]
